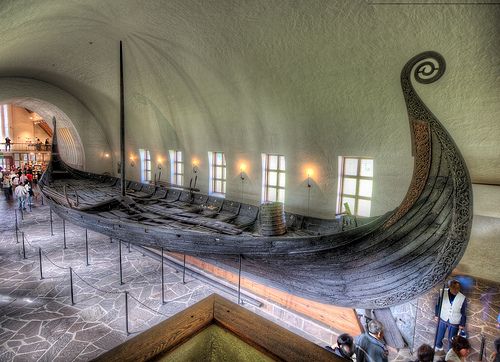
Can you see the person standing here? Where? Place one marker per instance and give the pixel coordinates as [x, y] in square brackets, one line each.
[7, 143]
[370, 347]
[20, 194]
[47, 143]
[6, 185]
[452, 316]
[29, 193]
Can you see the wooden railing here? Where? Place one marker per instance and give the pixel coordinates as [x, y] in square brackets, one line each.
[27, 147]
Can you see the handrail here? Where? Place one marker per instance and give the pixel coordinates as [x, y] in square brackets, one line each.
[23, 146]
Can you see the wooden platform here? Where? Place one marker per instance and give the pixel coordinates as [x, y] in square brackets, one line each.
[272, 340]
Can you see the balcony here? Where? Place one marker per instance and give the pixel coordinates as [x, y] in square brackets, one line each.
[25, 147]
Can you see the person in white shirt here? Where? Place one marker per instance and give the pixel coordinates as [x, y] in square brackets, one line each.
[20, 193]
[14, 181]
[452, 316]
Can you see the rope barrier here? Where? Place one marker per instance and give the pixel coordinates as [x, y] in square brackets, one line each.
[58, 266]
[115, 292]
[96, 288]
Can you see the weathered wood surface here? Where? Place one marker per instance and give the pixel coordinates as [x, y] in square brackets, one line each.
[260, 332]
[392, 334]
[164, 336]
[257, 331]
[340, 319]
[391, 260]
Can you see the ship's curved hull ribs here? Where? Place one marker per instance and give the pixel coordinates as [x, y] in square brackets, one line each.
[388, 261]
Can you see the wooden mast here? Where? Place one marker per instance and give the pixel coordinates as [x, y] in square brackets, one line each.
[122, 126]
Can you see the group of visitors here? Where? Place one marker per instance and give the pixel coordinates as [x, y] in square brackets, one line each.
[20, 183]
[38, 144]
[450, 313]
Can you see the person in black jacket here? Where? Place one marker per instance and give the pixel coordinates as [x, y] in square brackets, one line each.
[370, 347]
[345, 347]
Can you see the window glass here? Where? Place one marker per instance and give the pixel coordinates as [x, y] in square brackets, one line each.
[351, 166]
[217, 174]
[356, 185]
[366, 168]
[365, 188]
[350, 186]
[273, 180]
[364, 207]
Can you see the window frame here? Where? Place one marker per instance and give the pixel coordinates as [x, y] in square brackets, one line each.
[213, 179]
[145, 155]
[342, 176]
[280, 170]
[176, 167]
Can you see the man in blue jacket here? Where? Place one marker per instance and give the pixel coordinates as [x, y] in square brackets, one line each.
[370, 347]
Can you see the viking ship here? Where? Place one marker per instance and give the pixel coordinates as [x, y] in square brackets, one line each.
[389, 260]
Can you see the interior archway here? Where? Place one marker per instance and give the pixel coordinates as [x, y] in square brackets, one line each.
[83, 142]
[70, 143]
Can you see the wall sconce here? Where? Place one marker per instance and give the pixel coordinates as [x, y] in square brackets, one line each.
[132, 161]
[106, 155]
[195, 163]
[243, 168]
[309, 175]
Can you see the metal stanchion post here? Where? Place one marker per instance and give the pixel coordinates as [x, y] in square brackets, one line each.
[121, 270]
[239, 282]
[87, 246]
[110, 240]
[126, 313]
[40, 258]
[24, 247]
[481, 350]
[129, 247]
[162, 279]
[17, 228]
[42, 200]
[51, 226]
[71, 285]
[184, 271]
[64, 233]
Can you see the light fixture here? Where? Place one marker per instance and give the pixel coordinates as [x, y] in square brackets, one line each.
[106, 155]
[132, 160]
[195, 163]
[243, 168]
[309, 175]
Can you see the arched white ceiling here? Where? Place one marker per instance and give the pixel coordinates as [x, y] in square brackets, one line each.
[84, 139]
[309, 79]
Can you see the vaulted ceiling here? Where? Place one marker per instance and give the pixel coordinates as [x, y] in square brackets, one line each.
[309, 79]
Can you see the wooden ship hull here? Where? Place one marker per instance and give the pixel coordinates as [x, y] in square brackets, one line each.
[387, 261]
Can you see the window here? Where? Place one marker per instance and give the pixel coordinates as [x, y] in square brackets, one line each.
[145, 165]
[273, 177]
[217, 174]
[4, 122]
[176, 168]
[355, 185]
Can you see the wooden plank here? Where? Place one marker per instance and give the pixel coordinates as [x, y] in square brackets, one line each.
[342, 320]
[164, 336]
[392, 335]
[270, 337]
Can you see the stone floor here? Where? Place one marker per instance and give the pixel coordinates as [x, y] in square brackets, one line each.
[37, 319]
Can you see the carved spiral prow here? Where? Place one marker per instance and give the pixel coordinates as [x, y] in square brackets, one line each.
[427, 68]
